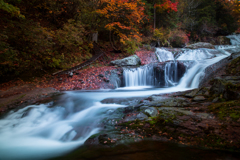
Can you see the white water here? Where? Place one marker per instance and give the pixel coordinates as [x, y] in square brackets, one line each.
[198, 54]
[171, 74]
[49, 130]
[164, 55]
[141, 76]
[235, 39]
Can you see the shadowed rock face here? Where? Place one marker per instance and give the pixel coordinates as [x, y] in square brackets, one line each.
[227, 87]
[160, 72]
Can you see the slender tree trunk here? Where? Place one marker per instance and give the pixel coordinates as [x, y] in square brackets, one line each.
[154, 16]
[110, 38]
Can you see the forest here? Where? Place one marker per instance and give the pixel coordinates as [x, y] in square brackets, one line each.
[47, 35]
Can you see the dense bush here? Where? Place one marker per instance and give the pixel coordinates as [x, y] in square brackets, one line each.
[178, 38]
[161, 35]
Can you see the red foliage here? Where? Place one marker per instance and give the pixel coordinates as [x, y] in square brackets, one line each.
[167, 6]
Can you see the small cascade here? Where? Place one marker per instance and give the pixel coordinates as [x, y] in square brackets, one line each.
[164, 55]
[142, 76]
[171, 74]
[234, 39]
[198, 54]
[156, 75]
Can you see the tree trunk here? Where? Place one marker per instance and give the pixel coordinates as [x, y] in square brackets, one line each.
[154, 23]
[95, 37]
[110, 38]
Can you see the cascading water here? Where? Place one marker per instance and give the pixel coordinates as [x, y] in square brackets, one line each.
[198, 54]
[163, 55]
[234, 39]
[142, 76]
[49, 130]
[171, 74]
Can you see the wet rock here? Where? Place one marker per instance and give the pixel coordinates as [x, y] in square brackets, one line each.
[215, 100]
[106, 80]
[206, 93]
[199, 98]
[113, 78]
[169, 101]
[123, 101]
[218, 86]
[142, 108]
[101, 75]
[104, 139]
[231, 94]
[133, 117]
[128, 61]
[76, 73]
[192, 93]
[232, 79]
[151, 111]
[234, 67]
[200, 45]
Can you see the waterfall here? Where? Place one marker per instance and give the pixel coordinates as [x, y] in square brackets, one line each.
[234, 39]
[142, 76]
[171, 74]
[168, 75]
[198, 54]
[164, 55]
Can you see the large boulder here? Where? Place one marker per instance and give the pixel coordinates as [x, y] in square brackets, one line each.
[226, 87]
[200, 45]
[150, 111]
[128, 61]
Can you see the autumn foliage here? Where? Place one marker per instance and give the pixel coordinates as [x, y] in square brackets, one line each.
[168, 6]
[50, 35]
[123, 18]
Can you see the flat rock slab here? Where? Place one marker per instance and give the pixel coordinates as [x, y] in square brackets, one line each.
[199, 98]
[200, 45]
[13, 101]
[135, 116]
[159, 101]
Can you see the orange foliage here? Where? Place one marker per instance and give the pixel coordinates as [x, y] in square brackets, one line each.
[124, 17]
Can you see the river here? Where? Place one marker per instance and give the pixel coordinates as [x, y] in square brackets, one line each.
[58, 127]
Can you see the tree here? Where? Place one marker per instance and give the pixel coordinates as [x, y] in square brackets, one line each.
[123, 18]
[13, 10]
[187, 11]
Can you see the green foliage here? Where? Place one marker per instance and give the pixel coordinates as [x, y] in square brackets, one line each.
[131, 46]
[162, 35]
[71, 35]
[13, 10]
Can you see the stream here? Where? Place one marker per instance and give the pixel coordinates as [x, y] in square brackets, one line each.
[59, 127]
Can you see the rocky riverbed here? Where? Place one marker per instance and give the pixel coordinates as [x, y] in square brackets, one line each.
[208, 116]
